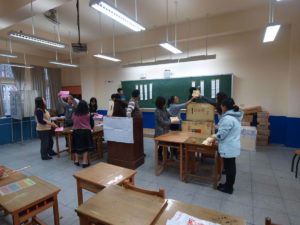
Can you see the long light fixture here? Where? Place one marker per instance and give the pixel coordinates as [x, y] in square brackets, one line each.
[107, 57]
[166, 45]
[170, 48]
[272, 28]
[271, 32]
[19, 65]
[63, 64]
[35, 39]
[8, 55]
[116, 15]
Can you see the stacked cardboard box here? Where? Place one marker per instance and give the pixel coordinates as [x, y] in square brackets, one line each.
[200, 118]
[263, 128]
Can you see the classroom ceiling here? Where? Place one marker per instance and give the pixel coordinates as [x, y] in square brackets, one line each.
[151, 13]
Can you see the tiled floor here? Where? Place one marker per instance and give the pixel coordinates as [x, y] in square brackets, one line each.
[264, 184]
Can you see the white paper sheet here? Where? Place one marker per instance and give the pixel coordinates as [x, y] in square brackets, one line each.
[141, 92]
[146, 91]
[110, 108]
[181, 218]
[118, 129]
[202, 87]
[193, 83]
[150, 91]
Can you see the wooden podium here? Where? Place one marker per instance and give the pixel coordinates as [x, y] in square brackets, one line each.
[128, 155]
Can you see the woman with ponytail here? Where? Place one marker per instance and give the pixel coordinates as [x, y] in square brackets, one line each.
[228, 137]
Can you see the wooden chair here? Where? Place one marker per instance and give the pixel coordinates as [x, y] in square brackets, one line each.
[269, 222]
[159, 193]
[297, 153]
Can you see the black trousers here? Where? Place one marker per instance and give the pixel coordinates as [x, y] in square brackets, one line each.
[230, 171]
[46, 142]
[174, 127]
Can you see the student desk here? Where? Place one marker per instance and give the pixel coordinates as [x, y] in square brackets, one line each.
[173, 139]
[198, 212]
[99, 176]
[30, 201]
[97, 133]
[194, 145]
[11, 178]
[116, 205]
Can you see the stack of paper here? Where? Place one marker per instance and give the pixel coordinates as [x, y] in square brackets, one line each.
[98, 116]
[181, 218]
[58, 129]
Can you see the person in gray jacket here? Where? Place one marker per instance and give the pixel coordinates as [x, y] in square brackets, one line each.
[228, 137]
[162, 120]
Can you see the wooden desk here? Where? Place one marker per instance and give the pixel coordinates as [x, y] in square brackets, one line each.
[173, 139]
[30, 201]
[194, 145]
[97, 133]
[99, 176]
[116, 205]
[198, 212]
[11, 178]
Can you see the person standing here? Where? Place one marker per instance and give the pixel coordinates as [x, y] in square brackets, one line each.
[69, 107]
[93, 107]
[82, 141]
[121, 93]
[43, 128]
[119, 107]
[133, 109]
[228, 137]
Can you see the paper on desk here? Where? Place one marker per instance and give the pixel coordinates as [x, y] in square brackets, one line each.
[98, 116]
[181, 218]
[118, 129]
[59, 129]
[64, 94]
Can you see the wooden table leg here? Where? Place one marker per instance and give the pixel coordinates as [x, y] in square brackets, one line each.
[181, 162]
[16, 219]
[156, 158]
[79, 192]
[216, 170]
[57, 145]
[165, 156]
[132, 179]
[55, 211]
[186, 165]
[83, 220]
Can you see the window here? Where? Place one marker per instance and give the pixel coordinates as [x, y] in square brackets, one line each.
[47, 97]
[7, 84]
[215, 87]
[202, 87]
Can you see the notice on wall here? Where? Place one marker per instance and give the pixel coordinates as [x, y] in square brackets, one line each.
[141, 92]
[146, 91]
[118, 129]
[150, 91]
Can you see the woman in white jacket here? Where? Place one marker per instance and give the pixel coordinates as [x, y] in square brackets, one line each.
[228, 136]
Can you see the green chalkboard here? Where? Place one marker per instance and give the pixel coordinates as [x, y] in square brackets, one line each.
[176, 86]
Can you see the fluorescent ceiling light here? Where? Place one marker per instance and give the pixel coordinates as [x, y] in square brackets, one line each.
[168, 61]
[35, 39]
[63, 64]
[107, 57]
[8, 55]
[271, 32]
[20, 66]
[170, 48]
[115, 14]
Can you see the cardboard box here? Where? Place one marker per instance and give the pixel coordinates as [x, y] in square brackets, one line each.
[263, 114]
[201, 127]
[262, 138]
[263, 132]
[264, 120]
[200, 112]
[243, 123]
[251, 110]
[263, 126]
[248, 138]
